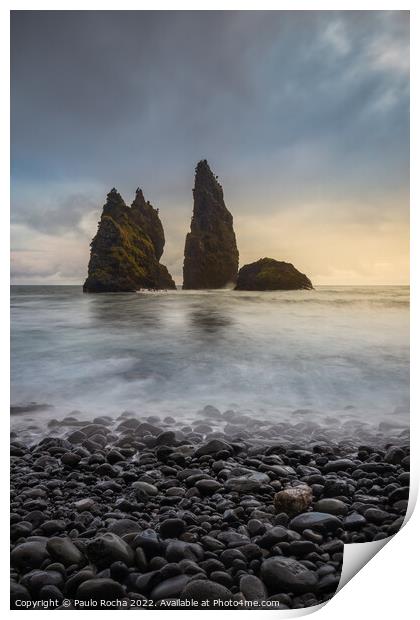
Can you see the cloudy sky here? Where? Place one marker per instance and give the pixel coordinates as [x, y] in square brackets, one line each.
[302, 115]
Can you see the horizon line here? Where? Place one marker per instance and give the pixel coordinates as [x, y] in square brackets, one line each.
[180, 285]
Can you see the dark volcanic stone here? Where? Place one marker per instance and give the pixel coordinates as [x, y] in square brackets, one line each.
[145, 582]
[180, 550]
[36, 579]
[170, 588]
[208, 487]
[71, 459]
[148, 541]
[268, 274]
[334, 488]
[375, 515]
[273, 536]
[144, 488]
[63, 550]
[29, 555]
[316, 521]
[100, 590]
[354, 521]
[394, 455]
[339, 465]
[172, 528]
[399, 494]
[18, 593]
[331, 506]
[54, 526]
[211, 255]
[118, 571]
[125, 251]
[377, 468]
[167, 438]
[213, 446]
[77, 578]
[22, 529]
[282, 574]
[247, 483]
[203, 589]
[51, 593]
[84, 504]
[108, 548]
[124, 526]
[252, 588]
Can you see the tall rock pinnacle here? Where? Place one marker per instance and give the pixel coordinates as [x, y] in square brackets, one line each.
[211, 255]
[125, 251]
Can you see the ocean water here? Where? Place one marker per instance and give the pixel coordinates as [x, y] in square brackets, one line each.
[335, 351]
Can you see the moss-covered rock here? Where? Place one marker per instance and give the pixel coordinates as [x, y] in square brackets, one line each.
[126, 249]
[268, 274]
[211, 255]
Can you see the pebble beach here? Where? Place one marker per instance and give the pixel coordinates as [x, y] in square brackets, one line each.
[220, 511]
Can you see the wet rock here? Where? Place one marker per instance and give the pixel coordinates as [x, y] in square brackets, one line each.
[170, 588]
[213, 446]
[70, 459]
[316, 521]
[84, 504]
[399, 494]
[180, 550]
[149, 543]
[100, 590]
[339, 465]
[37, 579]
[108, 548]
[124, 526]
[252, 588]
[202, 590]
[52, 594]
[54, 526]
[76, 579]
[63, 550]
[172, 528]
[247, 483]
[144, 488]
[375, 515]
[119, 571]
[18, 593]
[282, 574]
[29, 555]
[331, 506]
[20, 530]
[273, 536]
[208, 487]
[394, 455]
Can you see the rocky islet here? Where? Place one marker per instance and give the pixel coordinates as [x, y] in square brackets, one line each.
[129, 243]
[268, 274]
[126, 249]
[211, 256]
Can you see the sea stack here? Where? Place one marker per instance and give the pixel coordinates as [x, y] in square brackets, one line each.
[268, 274]
[125, 251]
[211, 255]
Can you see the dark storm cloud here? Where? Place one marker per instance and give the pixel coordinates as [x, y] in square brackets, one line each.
[285, 105]
[55, 214]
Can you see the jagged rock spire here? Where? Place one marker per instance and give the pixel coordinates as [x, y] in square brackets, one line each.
[211, 255]
[125, 251]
